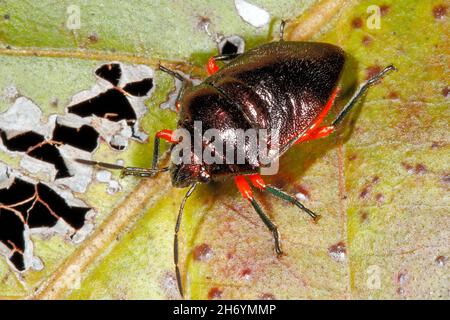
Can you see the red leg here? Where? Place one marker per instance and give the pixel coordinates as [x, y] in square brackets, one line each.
[244, 187]
[257, 181]
[212, 66]
[320, 132]
[314, 129]
[167, 135]
[246, 191]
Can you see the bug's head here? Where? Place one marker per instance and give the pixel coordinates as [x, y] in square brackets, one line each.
[184, 175]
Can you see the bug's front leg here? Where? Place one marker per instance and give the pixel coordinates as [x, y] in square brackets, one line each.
[247, 193]
[164, 134]
[212, 66]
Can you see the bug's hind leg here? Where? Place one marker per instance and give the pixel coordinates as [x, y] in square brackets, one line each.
[316, 132]
[258, 182]
[247, 193]
[361, 90]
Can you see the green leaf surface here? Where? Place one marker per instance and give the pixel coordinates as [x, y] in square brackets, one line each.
[381, 183]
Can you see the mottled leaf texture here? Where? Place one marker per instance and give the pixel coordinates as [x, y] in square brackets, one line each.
[381, 183]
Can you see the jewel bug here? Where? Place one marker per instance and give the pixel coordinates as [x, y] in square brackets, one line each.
[283, 86]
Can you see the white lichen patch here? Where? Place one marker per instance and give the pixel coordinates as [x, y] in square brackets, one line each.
[105, 176]
[10, 93]
[252, 14]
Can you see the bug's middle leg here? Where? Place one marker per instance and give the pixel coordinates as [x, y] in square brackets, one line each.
[247, 193]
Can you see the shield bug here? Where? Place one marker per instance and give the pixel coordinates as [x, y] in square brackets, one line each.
[284, 87]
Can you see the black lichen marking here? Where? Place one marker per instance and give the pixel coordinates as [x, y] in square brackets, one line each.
[84, 138]
[139, 88]
[229, 48]
[113, 104]
[36, 146]
[34, 205]
[22, 142]
[110, 72]
[74, 216]
[11, 235]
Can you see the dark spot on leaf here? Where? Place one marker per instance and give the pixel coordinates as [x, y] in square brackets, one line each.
[338, 251]
[445, 92]
[215, 293]
[364, 216]
[393, 95]
[384, 9]
[302, 193]
[379, 197]
[408, 167]
[440, 11]
[364, 192]
[352, 157]
[202, 252]
[54, 102]
[402, 277]
[368, 187]
[268, 296]
[437, 144]
[93, 37]
[6, 17]
[446, 178]
[441, 260]
[245, 273]
[357, 23]
[203, 22]
[367, 40]
[420, 168]
[417, 169]
[372, 71]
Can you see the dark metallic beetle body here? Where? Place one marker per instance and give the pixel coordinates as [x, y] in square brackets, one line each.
[277, 86]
